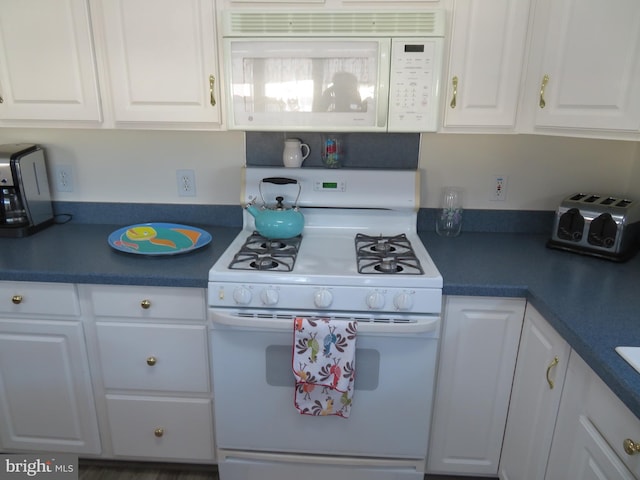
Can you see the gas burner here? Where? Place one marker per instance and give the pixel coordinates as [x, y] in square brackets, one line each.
[260, 253]
[386, 254]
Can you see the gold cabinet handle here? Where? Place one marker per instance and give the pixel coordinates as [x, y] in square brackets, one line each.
[158, 432]
[631, 447]
[16, 299]
[151, 361]
[454, 81]
[212, 98]
[553, 363]
[145, 304]
[545, 80]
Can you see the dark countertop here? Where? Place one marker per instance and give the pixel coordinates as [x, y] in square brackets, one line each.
[594, 304]
[79, 253]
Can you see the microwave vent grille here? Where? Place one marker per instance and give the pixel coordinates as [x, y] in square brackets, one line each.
[399, 24]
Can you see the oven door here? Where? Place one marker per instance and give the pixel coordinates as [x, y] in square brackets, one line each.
[253, 387]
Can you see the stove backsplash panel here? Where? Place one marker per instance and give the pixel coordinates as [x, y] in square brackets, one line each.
[360, 150]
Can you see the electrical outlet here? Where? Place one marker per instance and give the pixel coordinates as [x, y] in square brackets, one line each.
[64, 178]
[186, 183]
[499, 188]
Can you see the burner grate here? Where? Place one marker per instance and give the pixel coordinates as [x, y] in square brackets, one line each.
[260, 253]
[386, 254]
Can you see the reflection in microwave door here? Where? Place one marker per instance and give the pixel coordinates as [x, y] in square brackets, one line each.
[342, 95]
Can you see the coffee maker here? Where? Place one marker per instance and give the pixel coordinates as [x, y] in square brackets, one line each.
[25, 199]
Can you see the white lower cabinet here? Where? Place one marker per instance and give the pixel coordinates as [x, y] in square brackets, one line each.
[592, 428]
[477, 360]
[151, 360]
[542, 362]
[46, 398]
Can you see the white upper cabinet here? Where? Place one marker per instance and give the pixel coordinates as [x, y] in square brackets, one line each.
[47, 65]
[584, 71]
[488, 40]
[159, 59]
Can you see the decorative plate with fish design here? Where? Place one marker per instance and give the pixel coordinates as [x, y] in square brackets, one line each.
[158, 239]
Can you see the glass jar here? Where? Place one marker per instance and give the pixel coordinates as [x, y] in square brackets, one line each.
[449, 216]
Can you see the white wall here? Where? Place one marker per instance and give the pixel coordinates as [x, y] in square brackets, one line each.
[540, 170]
[140, 166]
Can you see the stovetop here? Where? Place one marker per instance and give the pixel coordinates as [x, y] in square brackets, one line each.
[374, 254]
[328, 257]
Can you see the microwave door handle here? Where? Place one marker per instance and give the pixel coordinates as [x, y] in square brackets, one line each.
[229, 320]
[384, 70]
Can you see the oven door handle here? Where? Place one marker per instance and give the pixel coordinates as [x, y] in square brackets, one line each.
[418, 325]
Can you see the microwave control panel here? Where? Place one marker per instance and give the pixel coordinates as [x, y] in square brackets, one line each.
[413, 85]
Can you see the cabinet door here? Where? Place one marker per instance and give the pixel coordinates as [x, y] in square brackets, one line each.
[477, 360]
[47, 65]
[161, 60]
[46, 400]
[592, 425]
[589, 70]
[537, 386]
[487, 52]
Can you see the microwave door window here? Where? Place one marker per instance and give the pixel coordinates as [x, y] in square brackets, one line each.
[307, 86]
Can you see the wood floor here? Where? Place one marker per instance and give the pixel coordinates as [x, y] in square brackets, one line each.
[97, 470]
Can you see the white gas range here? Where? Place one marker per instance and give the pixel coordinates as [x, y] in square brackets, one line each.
[359, 258]
[359, 250]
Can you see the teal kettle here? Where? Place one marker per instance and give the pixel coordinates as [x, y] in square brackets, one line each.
[277, 221]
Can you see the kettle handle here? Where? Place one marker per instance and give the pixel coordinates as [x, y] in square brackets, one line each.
[280, 181]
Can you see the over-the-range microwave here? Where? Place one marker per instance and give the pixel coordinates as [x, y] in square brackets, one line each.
[316, 70]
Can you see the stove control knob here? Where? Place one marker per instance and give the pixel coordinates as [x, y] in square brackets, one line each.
[242, 295]
[322, 298]
[403, 301]
[375, 300]
[269, 296]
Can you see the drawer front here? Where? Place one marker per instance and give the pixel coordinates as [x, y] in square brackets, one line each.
[32, 298]
[171, 429]
[149, 302]
[162, 357]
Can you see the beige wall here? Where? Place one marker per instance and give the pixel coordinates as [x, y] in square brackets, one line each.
[540, 170]
[140, 166]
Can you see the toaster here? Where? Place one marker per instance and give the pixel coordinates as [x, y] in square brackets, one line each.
[604, 226]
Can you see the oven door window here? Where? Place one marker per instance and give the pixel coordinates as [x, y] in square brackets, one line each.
[254, 390]
[307, 83]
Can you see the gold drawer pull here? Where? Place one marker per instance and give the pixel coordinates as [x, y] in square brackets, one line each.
[631, 447]
[553, 363]
[16, 299]
[145, 304]
[151, 361]
[158, 432]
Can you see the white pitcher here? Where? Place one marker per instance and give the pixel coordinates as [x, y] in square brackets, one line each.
[293, 155]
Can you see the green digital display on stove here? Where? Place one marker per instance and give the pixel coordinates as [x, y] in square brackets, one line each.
[329, 184]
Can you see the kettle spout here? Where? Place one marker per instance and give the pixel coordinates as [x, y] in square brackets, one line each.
[252, 210]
